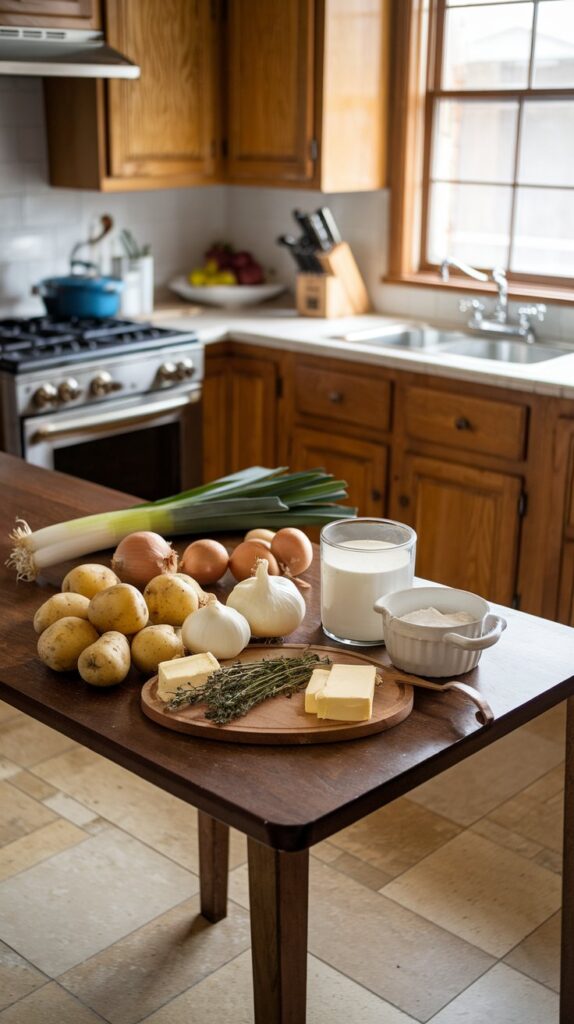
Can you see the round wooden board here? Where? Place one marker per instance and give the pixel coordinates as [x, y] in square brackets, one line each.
[283, 720]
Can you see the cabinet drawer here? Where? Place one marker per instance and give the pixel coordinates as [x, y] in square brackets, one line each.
[475, 424]
[344, 397]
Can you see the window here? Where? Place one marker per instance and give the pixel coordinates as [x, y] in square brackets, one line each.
[489, 173]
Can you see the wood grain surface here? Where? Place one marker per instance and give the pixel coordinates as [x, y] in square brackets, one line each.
[288, 797]
[283, 720]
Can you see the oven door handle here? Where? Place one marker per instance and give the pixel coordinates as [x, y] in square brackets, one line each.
[101, 420]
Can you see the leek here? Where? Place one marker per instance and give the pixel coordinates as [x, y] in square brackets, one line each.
[252, 497]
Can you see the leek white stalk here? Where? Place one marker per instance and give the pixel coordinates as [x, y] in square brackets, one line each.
[253, 497]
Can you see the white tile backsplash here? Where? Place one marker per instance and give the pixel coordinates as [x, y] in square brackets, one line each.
[39, 225]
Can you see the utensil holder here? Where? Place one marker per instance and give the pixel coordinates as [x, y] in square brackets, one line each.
[339, 291]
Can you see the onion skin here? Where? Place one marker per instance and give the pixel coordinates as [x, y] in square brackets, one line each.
[243, 561]
[141, 556]
[260, 533]
[205, 560]
[293, 550]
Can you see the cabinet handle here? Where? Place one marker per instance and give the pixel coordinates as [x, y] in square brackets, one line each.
[462, 423]
[336, 397]
[404, 500]
[376, 495]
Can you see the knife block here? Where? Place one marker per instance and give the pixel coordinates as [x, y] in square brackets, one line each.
[339, 291]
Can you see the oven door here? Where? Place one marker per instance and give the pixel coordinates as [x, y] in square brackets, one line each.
[149, 446]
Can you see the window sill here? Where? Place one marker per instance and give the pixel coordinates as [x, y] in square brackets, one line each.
[555, 294]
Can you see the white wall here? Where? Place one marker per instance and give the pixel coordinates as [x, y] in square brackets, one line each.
[39, 225]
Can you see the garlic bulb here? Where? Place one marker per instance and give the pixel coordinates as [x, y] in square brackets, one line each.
[216, 628]
[272, 605]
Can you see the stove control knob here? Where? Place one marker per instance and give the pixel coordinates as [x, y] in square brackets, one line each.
[103, 384]
[168, 371]
[185, 369]
[69, 390]
[45, 395]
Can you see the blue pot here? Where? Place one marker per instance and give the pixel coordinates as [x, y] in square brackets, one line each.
[81, 295]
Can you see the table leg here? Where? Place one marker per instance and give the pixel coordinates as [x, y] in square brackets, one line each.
[278, 898]
[567, 962]
[213, 866]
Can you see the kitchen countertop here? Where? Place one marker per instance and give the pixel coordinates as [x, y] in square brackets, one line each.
[283, 328]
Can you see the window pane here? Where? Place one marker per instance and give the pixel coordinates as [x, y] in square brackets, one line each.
[474, 140]
[544, 236]
[470, 222]
[554, 44]
[547, 143]
[487, 47]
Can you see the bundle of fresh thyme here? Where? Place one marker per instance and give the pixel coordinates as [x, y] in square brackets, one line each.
[231, 692]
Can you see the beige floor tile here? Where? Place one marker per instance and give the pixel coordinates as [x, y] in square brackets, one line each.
[325, 851]
[45, 842]
[550, 725]
[162, 821]
[227, 997]
[17, 977]
[20, 814]
[73, 905]
[539, 954]
[550, 859]
[27, 742]
[537, 813]
[135, 976]
[502, 996]
[481, 782]
[505, 837]
[49, 1005]
[396, 837]
[32, 785]
[362, 872]
[8, 769]
[396, 954]
[8, 711]
[479, 891]
[69, 808]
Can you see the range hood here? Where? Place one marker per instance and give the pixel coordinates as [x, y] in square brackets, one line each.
[63, 53]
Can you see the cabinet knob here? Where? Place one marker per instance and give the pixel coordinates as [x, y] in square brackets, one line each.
[462, 423]
[336, 397]
[404, 500]
[376, 495]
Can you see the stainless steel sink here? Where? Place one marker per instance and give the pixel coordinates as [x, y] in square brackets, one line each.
[436, 342]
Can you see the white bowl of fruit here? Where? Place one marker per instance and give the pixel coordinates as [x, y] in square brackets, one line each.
[227, 278]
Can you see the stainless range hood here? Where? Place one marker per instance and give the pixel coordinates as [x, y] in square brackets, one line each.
[63, 53]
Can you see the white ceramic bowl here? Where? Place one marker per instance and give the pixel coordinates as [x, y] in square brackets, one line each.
[437, 650]
[226, 295]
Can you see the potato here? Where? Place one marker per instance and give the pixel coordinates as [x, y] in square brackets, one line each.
[61, 644]
[170, 600]
[121, 609]
[154, 644]
[58, 607]
[88, 580]
[106, 661]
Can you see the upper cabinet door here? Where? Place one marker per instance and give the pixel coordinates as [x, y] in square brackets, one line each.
[68, 13]
[163, 124]
[271, 90]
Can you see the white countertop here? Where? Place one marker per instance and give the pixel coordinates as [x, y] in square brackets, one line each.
[285, 329]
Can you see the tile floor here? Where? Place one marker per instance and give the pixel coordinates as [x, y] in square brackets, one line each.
[443, 907]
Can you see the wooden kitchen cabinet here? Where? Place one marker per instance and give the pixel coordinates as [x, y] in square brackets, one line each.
[363, 464]
[564, 499]
[307, 93]
[566, 595]
[158, 131]
[215, 430]
[467, 522]
[48, 13]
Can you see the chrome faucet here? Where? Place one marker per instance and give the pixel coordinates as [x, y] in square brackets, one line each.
[499, 321]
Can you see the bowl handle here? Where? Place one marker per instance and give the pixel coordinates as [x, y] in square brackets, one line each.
[495, 625]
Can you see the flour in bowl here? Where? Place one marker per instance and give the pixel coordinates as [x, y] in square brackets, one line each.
[432, 617]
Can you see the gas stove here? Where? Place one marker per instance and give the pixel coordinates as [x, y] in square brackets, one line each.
[42, 342]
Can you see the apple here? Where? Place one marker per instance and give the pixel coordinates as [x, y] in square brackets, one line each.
[250, 274]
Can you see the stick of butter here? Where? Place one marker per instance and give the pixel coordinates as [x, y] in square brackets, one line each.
[319, 677]
[348, 693]
[191, 671]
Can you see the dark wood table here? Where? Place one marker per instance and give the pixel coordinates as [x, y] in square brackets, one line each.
[284, 799]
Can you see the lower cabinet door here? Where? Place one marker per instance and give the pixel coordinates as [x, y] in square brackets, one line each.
[215, 426]
[566, 599]
[467, 522]
[362, 464]
[252, 412]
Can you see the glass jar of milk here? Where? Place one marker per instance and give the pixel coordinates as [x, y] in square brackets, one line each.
[362, 559]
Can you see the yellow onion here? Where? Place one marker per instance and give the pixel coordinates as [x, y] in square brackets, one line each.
[260, 533]
[243, 560]
[141, 556]
[205, 560]
[293, 550]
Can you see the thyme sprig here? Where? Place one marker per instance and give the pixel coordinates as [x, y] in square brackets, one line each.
[231, 692]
